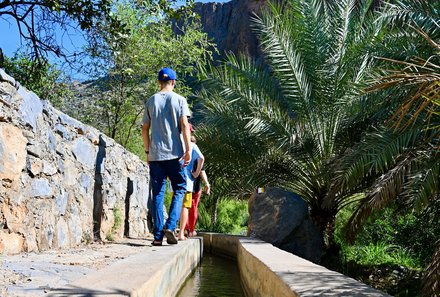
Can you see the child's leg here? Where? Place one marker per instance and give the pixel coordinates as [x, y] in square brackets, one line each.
[193, 212]
[187, 201]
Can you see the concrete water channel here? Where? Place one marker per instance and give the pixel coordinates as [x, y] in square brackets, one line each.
[260, 270]
[214, 277]
[264, 271]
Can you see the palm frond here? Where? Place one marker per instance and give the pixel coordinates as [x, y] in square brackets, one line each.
[285, 60]
[374, 155]
[423, 13]
[418, 73]
[431, 277]
[423, 184]
[386, 188]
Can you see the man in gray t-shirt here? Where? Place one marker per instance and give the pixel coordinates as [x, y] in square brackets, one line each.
[165, 120]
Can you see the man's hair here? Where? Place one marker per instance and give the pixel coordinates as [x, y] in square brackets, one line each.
[165, 82]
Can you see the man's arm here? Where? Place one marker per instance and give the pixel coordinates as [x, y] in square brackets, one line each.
[146, 138]
[186, 139]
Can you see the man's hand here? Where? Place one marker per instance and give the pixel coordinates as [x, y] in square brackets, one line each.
[186, 158]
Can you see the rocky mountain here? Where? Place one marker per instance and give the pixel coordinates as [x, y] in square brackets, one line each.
[228, 24]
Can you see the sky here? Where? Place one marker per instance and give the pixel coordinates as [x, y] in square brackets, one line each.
[10, 39]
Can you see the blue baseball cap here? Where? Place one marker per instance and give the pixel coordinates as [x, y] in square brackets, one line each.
[166, 74]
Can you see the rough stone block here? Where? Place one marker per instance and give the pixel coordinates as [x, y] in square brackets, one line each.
[34, 165]
[62, 234]
[71, 173]
[275, 213]
[14, 216]
[86, 182]
[41, 188]
[12, 152]
[85, 152]
[49, 168]
[61, 202]
[63, 131]
[281, 218]
[7, 78]
[52, 141]
[10, 243]
[31, 108]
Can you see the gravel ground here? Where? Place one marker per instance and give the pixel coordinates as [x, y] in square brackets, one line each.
[34, 274]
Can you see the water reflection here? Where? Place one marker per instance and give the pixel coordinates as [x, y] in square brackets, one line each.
[215, 277]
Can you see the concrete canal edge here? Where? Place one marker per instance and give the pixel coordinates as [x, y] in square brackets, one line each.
[265, 271]
[268, 271]
[156, 272]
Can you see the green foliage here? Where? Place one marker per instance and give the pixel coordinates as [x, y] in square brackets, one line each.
[231, 217]
[204, 219]
[117, 223]
[40, 77]
[167, 196]
[126, 67]
[286, 122]
[39, 21]
[380, 253]
[390, 237]
[117, 216]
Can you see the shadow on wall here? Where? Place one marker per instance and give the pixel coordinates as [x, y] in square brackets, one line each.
[98, 202]
[127, 207]
[97, 191]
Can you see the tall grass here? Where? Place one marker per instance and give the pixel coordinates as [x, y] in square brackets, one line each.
[389, 237]
[380, 253]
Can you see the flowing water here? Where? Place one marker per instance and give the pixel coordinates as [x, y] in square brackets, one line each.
[215, 277]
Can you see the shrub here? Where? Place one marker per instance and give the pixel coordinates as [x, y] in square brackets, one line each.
[231, 216]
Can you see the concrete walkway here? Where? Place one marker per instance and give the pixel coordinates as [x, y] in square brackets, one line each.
[127, 268]
[135, 268]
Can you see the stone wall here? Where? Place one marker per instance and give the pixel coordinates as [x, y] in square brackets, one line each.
[62, 183]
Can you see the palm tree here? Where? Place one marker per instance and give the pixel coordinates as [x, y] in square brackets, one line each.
[284, 122]
[402, 159]
[403, 162]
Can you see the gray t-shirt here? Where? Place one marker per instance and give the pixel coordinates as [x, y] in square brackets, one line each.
[163, 111]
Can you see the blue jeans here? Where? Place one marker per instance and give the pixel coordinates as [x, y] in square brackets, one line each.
[159, 171]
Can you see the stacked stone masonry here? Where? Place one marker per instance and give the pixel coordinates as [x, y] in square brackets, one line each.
[62, 183]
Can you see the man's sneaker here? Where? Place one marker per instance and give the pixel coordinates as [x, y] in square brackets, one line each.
[156, 243]
[171, 238]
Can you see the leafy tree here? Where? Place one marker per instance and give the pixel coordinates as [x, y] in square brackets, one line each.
[126, 68]
[285, 122]
[39, 76]
[38, 20]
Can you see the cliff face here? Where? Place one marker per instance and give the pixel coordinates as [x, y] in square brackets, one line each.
[228, 24]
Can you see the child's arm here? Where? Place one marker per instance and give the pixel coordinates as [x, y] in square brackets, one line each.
[206, 182]
[200, 162]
